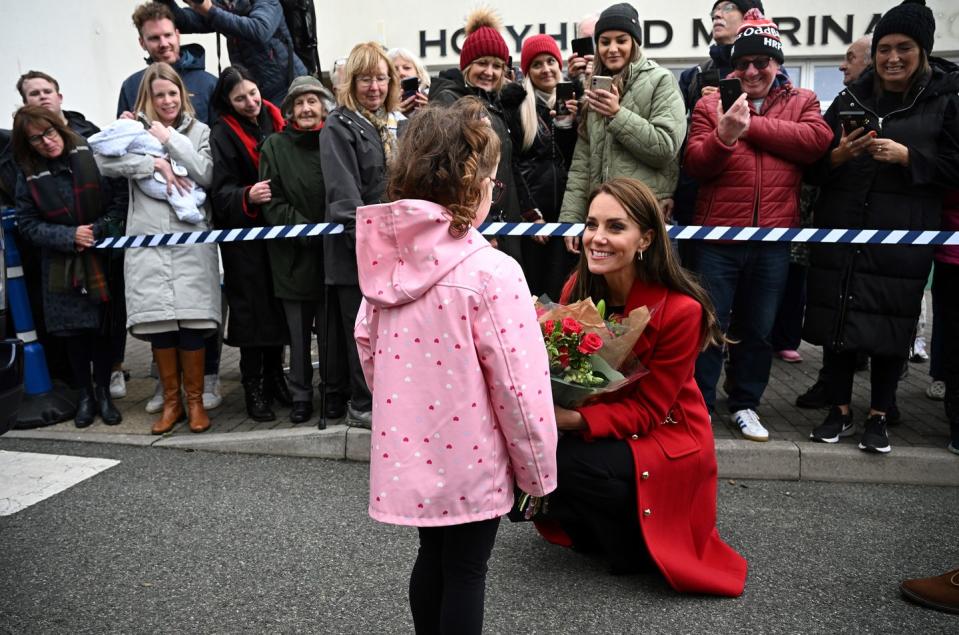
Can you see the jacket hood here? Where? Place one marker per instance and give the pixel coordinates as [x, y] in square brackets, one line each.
[192, 58]
[404, 248]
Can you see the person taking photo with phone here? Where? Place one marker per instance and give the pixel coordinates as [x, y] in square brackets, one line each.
[633, 123]
[543, 130]
[414, 80]
[759, 145]
[889, 167]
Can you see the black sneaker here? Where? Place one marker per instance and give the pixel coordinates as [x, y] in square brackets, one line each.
[874, 439]
[814, 398]
[835, 426]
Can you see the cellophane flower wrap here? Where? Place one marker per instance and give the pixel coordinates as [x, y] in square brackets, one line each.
[588, 355]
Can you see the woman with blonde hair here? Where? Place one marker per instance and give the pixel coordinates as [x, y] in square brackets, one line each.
[358, 143]
[482, 74]
[172, 294]
[444, 459]
[408, 66]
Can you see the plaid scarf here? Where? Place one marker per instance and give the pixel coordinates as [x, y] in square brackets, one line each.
[385, 125]
[79, 271]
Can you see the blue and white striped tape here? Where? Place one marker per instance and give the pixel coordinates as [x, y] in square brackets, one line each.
[680, 232]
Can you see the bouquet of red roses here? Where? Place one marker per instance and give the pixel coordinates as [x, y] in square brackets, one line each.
[589, 355]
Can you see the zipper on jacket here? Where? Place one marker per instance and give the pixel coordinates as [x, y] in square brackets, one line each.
[894, 112]
[756, 190]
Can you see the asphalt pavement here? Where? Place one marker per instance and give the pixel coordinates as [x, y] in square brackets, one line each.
[176, 541]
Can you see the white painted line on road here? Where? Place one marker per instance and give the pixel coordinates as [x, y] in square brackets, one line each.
[26, 478]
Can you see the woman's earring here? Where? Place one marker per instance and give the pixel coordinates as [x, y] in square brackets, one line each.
[639, 255]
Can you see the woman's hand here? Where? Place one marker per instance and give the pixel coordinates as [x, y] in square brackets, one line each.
[83, 238]
[667, 205]
[414, 101]
[572, 244]
[580, 65]
[567, 419]
[260, 193]
[161, 132]
[126, 114]
[733, 123]
[181, 183]
[542, 240]
[889, 151]
[851, 146]
[604, 102]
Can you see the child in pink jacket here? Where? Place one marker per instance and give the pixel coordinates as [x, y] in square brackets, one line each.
[453, 355]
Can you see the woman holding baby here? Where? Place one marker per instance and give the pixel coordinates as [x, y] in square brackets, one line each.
[172, 294]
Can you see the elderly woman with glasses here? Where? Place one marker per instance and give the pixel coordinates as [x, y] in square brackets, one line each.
[356, 147]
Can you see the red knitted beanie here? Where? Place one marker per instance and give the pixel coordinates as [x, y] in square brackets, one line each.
[537, 45]
[482, 38]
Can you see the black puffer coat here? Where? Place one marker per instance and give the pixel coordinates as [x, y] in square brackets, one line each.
[256, 316]
[863, 297]
[449, 87]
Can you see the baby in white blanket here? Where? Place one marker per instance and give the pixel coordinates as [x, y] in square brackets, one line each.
[126, 136]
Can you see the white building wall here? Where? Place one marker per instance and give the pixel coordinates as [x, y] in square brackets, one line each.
[90, 46]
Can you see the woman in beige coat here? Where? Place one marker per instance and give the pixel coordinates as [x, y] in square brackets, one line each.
[172, 293]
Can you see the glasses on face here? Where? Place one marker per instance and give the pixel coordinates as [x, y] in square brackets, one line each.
[759, 64]
[368, 80]
[498, 188]
[727, 7]
[37, 139]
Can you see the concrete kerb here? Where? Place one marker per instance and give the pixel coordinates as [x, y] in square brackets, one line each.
[775, 460]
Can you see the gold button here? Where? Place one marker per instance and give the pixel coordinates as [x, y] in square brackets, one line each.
[634, 437]
[647, 512]
[644, 475]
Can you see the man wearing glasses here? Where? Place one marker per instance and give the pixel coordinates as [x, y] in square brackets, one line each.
[748, 158]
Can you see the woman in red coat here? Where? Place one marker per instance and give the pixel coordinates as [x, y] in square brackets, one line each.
[637, 468]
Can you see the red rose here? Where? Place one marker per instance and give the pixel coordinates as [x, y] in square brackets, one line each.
[548, 327]
[590, 344]
[564, 360]
[571, 326]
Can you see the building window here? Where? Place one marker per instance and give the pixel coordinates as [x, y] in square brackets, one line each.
[827, 81]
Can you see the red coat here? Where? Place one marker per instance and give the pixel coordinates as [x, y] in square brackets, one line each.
[675, 462]
[755, 182]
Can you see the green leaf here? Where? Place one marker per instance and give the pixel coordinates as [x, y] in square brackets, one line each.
[601, 308]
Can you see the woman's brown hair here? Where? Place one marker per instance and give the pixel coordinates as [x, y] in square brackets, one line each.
[144, 103]
[620, 80]
[658, 266]
[445, 155]
[39, 117]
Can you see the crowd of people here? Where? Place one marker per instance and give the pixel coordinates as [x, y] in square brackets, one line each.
[410, 169]
[770, 158]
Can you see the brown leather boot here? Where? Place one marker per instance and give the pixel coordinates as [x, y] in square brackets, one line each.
[192, 364]
[169, 371]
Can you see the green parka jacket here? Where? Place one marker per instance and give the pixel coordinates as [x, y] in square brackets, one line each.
[642, 141]
[291, 160]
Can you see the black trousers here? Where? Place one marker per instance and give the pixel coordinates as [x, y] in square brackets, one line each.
[345, 302]
[547, 266]
[595, 501]
[448, 582]
[260, 361]
[883, 377]
[88, 347]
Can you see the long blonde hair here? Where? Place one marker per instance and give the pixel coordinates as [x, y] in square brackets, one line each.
[528, 115]
[144, 103]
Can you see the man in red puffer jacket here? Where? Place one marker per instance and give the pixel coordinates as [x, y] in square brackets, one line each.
[749, 162]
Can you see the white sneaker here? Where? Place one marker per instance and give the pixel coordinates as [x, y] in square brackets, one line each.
[118, 385]
[748, 422]
[211, 392]
[155, 403]
[918, 353]
[936, 390]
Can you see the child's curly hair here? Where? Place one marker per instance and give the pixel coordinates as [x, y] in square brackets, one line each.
[445, 155]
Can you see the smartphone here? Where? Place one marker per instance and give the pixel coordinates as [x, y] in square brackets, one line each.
[582, 46]
[709, 78]
[601, 82]
[142, 118]
[564, 92]
[852, 119]
[409, 86]
[729, 91]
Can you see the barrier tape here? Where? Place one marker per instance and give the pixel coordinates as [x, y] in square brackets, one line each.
[679, 232]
